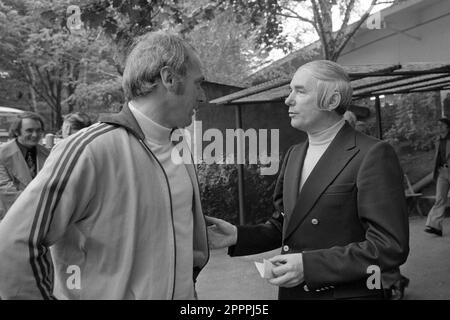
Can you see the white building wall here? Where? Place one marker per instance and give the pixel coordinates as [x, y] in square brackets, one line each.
[429, 22]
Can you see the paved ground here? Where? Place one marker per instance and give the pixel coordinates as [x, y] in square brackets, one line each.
[427, 267]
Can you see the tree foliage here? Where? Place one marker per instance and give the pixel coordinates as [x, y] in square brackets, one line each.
[68, 70]
[413, 121]
[124, 20]
[39, 50]
[218, 188]
[228, 51]
[408, 120]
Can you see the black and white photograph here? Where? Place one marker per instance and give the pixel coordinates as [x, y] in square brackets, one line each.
[226, 155]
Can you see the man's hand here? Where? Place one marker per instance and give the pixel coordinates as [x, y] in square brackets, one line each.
[221, 234]
[288, 271]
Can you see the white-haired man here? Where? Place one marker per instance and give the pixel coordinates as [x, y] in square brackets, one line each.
[124, 221]
[341, 217]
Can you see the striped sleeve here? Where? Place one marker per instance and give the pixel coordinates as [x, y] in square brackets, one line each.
[55, 199]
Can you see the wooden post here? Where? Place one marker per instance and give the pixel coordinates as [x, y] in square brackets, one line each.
[240, 166]
[378, 117]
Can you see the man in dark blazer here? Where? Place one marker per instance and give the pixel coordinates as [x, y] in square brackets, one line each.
[341, 217]
[21, 158]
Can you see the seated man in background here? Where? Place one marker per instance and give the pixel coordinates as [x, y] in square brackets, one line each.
[21, 158]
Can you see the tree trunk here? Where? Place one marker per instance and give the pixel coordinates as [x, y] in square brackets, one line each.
[58, 87]
[31, 88]
[58, 116]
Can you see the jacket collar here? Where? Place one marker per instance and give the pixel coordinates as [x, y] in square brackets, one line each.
[125, 119]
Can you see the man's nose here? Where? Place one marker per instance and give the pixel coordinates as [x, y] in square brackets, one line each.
[288, 100]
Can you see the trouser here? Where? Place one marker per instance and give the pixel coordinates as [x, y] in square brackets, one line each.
[437, 212]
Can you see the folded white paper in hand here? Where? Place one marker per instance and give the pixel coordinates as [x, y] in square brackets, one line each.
[265, 269]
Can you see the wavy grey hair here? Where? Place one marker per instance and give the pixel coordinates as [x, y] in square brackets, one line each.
[331, 78]
[78, 120]
[150, 53]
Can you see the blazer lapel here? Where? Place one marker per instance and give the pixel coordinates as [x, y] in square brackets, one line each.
[19, 167]
[291, 180]
[341, 150]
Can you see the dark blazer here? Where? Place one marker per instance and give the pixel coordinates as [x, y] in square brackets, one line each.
[351, 214]
[14, 172]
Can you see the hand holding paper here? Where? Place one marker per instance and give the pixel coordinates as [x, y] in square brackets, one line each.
[265, 269]
[288, 270]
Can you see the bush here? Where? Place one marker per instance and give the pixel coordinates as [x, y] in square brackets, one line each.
[219, 192]
[415, 122]
[409, 120]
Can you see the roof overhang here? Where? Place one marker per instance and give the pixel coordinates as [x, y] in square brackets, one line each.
[367, 81]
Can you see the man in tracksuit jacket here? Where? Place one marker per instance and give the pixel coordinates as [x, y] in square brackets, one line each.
[120, 219]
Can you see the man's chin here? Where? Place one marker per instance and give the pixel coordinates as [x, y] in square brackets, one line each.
[188, 122]
[184, 125]
[296, 124]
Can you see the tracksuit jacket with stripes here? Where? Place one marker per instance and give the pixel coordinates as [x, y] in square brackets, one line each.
[96, 222]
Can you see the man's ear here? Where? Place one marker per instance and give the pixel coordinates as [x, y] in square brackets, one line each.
[17, 132]
[334, 101]
[168, 78]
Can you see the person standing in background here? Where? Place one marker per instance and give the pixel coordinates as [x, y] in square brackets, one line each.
[441, 174]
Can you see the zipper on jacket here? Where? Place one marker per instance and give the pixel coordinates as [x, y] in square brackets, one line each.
[171, 213]
[206, 225]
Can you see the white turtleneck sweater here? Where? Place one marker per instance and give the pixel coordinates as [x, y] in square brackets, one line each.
[181, 189]
[318, 144]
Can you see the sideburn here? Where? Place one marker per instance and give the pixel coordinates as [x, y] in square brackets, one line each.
[179, 87]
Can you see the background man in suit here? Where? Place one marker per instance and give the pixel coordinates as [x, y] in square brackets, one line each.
[20, 159]
[441, 174]
[340, 205]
